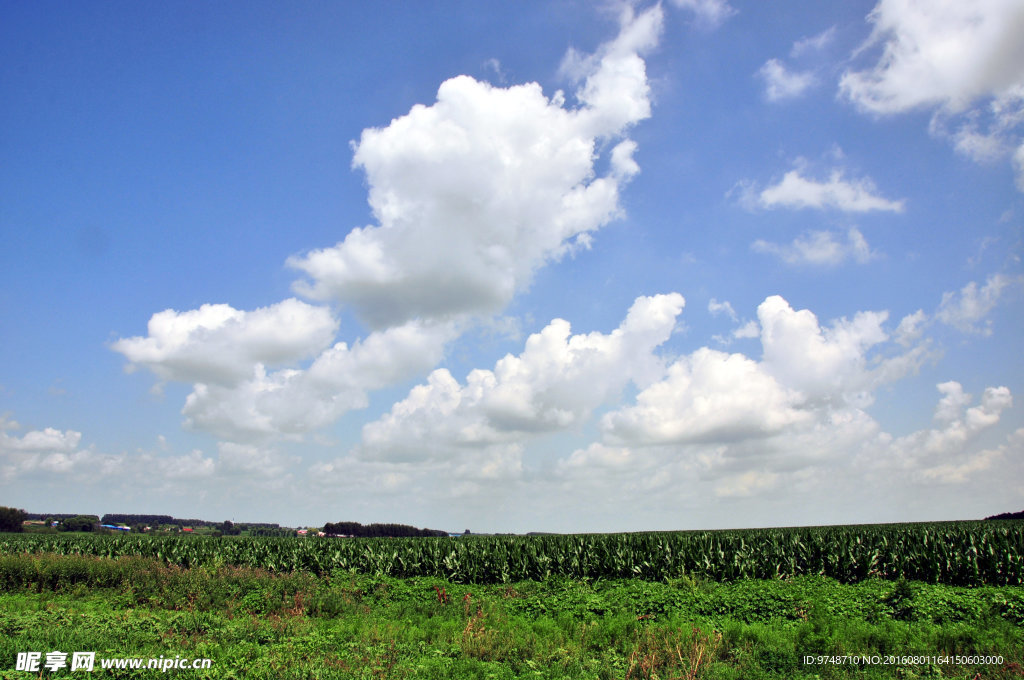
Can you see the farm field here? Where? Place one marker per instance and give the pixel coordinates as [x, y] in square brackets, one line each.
[955, 553]
[375, 619]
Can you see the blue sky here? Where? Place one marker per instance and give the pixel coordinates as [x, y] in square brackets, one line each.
[557, 266]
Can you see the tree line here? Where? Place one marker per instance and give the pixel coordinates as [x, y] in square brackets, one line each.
[158, 520]
[1008, 515]
[378, 530]
[11, 519]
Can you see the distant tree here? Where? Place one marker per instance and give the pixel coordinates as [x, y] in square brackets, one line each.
[79, 523]
[1008, 515]
[378, 530]
[229, 529]
[11, 519]
[466, 532]
[271, 531]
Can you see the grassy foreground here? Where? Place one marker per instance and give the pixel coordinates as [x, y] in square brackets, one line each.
[255, 624]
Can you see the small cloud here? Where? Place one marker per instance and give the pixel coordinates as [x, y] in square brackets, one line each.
[748, 330]
[910, 328]
[814, 43]
[709, 13]
[984, 244]
[716, 308]
[798, 192]
[967, 308]
[781, 83]
[494, 66]
[622, 164]
[745, 194]
[820, 248]
[979, 147]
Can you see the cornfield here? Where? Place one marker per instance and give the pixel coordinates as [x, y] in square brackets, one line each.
[956, 553]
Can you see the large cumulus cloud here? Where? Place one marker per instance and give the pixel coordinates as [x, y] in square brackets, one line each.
[476, 191]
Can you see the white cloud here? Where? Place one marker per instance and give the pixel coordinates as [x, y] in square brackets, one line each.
[944, 453]
[710, 13]
[948, 56]
[476, 191]
[964, 310]
[910, 329]
[553, 385]
[984, 134]
[471, 195]
[47, 440]
[43, 454]
[292, 402]
[729, 426]
[1018, 162]
[964, 468]
[494, 65]
[954, 400]
[939, 53]
[615, 92]
[220, 344]
[797, 191]
[808, 374]
[716, 308]
[814, 43]
[824, 364]
[820, 248]
[978, 146]
[781, 83]
[707, 396]
[230, 357]
[622, 163]
[748, 330]
[745, 330]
